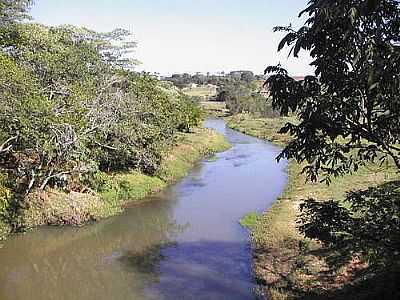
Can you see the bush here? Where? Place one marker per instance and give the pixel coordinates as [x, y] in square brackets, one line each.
[367, 224]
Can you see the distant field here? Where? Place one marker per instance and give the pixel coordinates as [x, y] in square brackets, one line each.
[201, 91]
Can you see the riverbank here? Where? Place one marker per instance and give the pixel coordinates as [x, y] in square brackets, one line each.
[54, 207]
[215, 109]
[288, 266]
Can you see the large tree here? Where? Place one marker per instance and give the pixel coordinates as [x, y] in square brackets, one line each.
[348, 115]
[349, 111]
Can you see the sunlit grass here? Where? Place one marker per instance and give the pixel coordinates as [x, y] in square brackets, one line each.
[263, 128]
[189, 149]
[250, 220]
[131, 186]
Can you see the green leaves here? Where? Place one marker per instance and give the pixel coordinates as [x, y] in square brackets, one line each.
[287, 40]
[368, 222]
[353, 15]
[348, 116]
[355, 92]
[13, 10]
[244, 97]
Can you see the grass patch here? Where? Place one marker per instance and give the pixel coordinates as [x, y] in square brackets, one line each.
[289, 266]
[54, 207]
[250, 220]
[263, 128]
[131, 186]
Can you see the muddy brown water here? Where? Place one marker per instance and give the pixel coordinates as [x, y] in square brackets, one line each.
[184, 244]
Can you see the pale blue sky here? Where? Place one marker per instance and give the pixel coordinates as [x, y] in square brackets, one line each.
[176, 36]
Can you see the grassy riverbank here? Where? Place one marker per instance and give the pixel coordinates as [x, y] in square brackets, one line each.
[54, 207]
[288, 266]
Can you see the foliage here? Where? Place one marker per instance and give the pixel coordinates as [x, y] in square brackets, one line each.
[5, 195]
[11, 13]
[354, 94]
[113, 190]
[24, 139]
[184, 80]
[155, 116]
[13, 10]
[71, 106]
[367, 221]
[289, 265]
[242, 96]
[348, 118]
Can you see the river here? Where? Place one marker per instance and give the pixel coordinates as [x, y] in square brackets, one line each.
[186, 243]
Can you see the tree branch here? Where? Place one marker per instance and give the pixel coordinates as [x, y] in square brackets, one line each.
[3, 147]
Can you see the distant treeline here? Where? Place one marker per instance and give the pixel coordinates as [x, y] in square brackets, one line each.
[185, 79]
[242, 91]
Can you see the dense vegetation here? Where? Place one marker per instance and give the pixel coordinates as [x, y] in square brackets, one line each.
[347, 119]
[72, 108]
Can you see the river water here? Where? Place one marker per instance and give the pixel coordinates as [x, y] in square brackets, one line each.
[184, 244]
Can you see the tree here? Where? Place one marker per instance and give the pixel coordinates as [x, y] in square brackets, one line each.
[348, 115]
[247, 76]
[348, 111]
[367, 224]
[244, 97]
[70, 106]
[13, 10]
[53, 76]
[25, 141]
